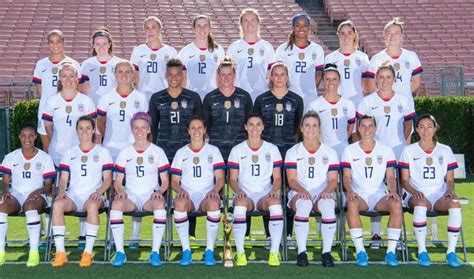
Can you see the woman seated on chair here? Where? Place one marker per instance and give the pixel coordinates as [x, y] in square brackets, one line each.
[30, 172]
[139, 165]
[427, 174]
[87, 168]
[197, 177]
[305, 164]
[367, 164]
[253, 165]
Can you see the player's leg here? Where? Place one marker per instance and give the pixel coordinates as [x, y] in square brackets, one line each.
[354, 206]
[454, 226]
[181, 207]
[327, 208]
[241, 205]
[8, 206]
[420, 207]
[91, 228]
[273, 206]
[116, 225]
[302, 209]
[31, 207]
[212, 208]
[60, 206]
[158, 207]
[394, 207]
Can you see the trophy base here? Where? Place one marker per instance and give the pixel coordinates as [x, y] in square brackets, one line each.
[228, 263]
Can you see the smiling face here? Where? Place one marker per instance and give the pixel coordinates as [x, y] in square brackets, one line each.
[196, 130]
[331, 82]
[250, 24]
[254, 127]
[174, 76]
[85, 131]
[385, 79]
[56, 44]
[226, 77]
[393, 36]
[124, 74]
[102, 45]
[346, 36]
[68, 77]
[201, 28]
[27, 137]
[279, 77]
[367, 128]
[310, 128]
[426, 129]
[301, 28]
[140, 129]
[152, 30]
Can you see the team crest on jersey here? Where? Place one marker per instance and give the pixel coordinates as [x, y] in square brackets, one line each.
[407, 64]
[347, 62]
[429, 161]
[167, 57]
[54, 70]
[139, 160]
[237, 103]
[344, 110]
[400, 108]
[314, 55]
[379, 159]
[202, 57]
[396, 66]
[358, 62]
[250, 51]
[84, 159]
[255, 158]
[387, 109]
[184, 103]
[136, 104]
[227, 104]
[123, 104]
[95, 158]
[174, 105]
[210, 158]
[301, 55]
[38, 166]
[268, 156]
[325, 160]
[216, 59]
[153, 56]
[288, 106]
[103, 70]
[334, 111]
[80, 107]
[311, 160]
[26, 166]
[440, 159]
[368, 161]
[279, 107]
[68, 109]
[261, 51]
[151, 159]
[196, 160]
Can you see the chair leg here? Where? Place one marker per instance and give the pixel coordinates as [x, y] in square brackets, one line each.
[463, 245]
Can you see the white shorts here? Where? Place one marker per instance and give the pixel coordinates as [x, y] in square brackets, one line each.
[80, 200]
[371, 198]
[196, 198]
[138, 200]
[255, 197]
[313, 192]
[432, 198]
[22, 197]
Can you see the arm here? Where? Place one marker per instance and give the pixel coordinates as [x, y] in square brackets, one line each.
[291, 176]
[101, 124]
[39, 89]
[5, 186]
[106, 182]
[136, 78]
[450, 193]
[415, 84]
[63, 180]
[346, 178]
[234, 184]
[319, 77]
[276, 182]
[165, 182]
[407, 126]
[85, 87]
[332, 185]
[371, 85]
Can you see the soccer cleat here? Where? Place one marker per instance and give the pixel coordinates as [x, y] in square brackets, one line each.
[187, 258]
[375, 245]
[33, 258]
[391, 259]
[274, 259]
[2, 257]
[119, 259]
[155, 259]
[133, 245]
[302, 259]
[327, 260]
[452, 260]
[424, 259]
[81, 244]
[362, 259]
[86, 260]
[209, 258]
[241, 259]
[60, 259]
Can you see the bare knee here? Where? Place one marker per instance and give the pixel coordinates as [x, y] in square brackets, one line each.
[454, 204]
[181, 204]
[212, 205]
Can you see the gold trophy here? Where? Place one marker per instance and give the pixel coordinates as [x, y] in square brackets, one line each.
[228, 224]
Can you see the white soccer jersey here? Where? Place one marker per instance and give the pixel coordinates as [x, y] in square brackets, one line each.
[100, 75]
[118, 111]
[151, 64]
[141, 168]
[335, 117]
[428, 169]
[390, 116]
[252, 64]
[255, 166]
[312, 167]
[196, 167]
[47, 75]
[407, 65]
[85, 168]
[353, 68]
[201, 67]
[368, 169]
[27, 174]
[303, 64]
[64, 115]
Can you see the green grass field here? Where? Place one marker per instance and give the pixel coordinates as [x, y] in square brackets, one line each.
[138, 267]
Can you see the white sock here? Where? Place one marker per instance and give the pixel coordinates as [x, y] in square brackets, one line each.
[116, 225]
[419, 225]
[91, 235]
[303, 209]
[212, 226]
[182, 226]
[393, 235]
[82, 226]
[357, 239]
[136, 225]
[328, 222]
[3, 230]
[58, 233]
[275, 226]
[454, 226]
[240, 227]
[159, 226]
[33, 225]
[375, 221]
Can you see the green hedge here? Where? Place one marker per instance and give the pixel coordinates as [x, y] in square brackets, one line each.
[22, 113]
[455, 116]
